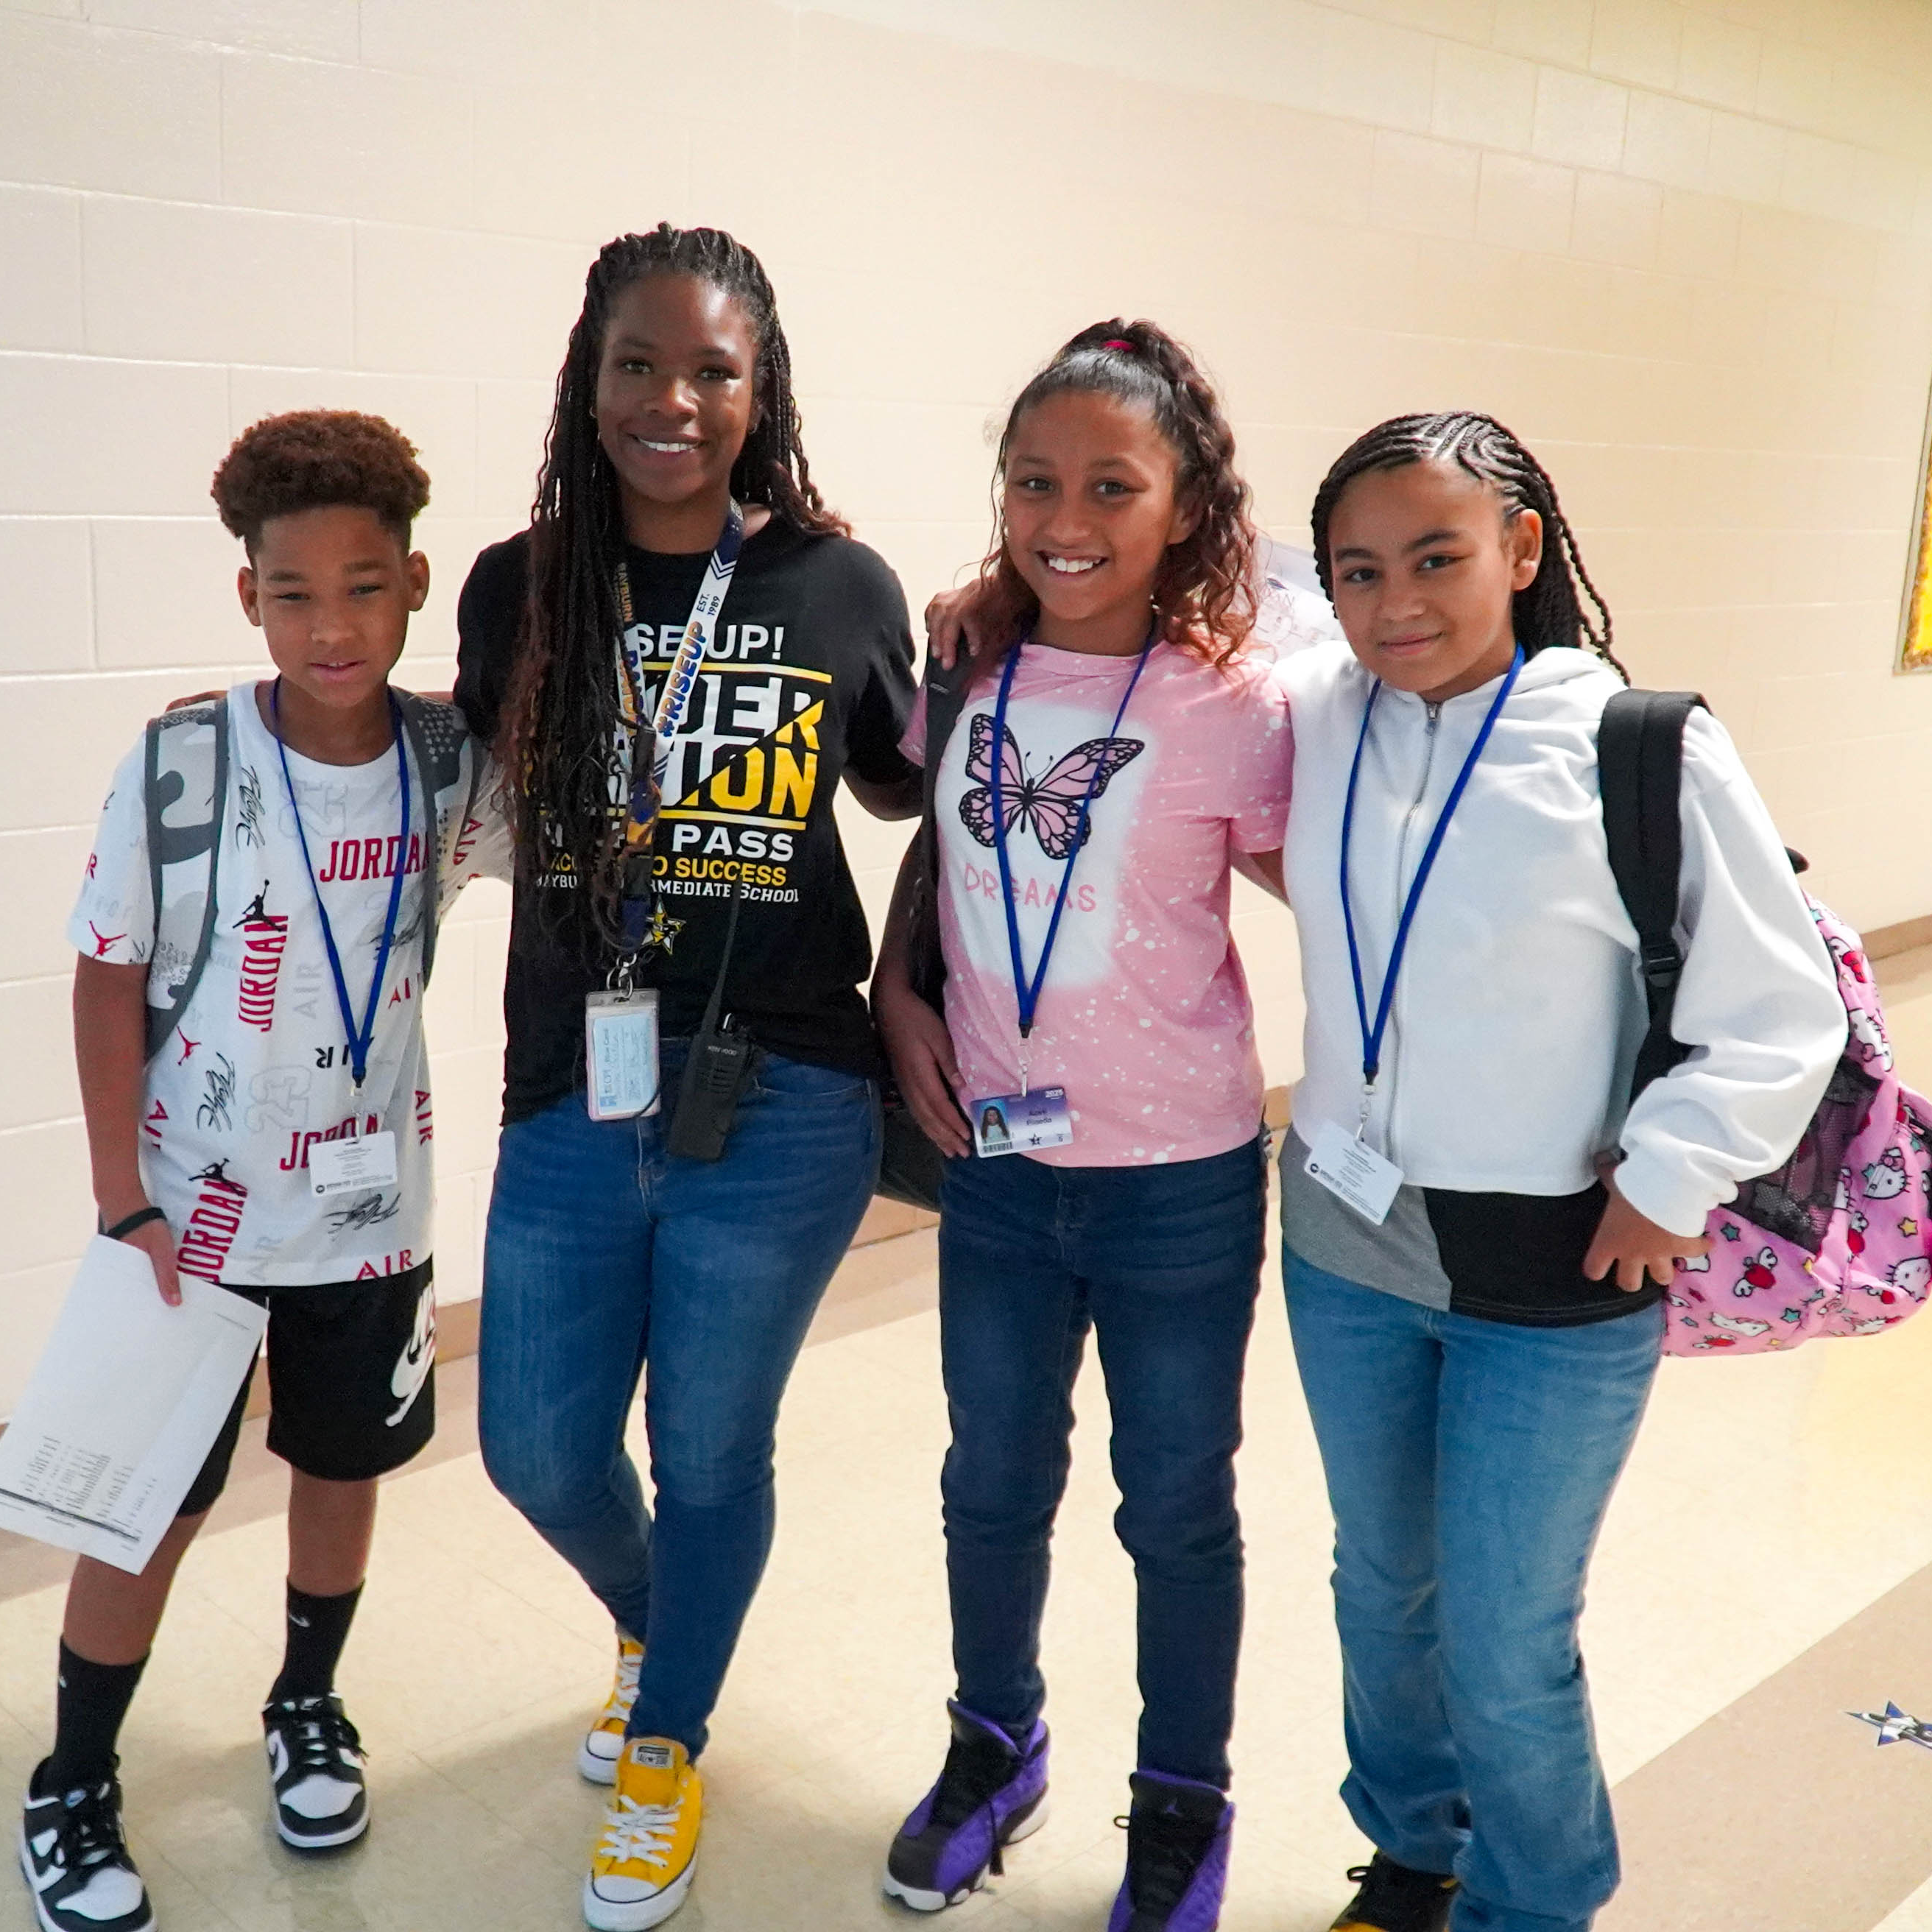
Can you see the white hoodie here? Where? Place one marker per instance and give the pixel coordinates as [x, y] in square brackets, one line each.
[1519, 1007]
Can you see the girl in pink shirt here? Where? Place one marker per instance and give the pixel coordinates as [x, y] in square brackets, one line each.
[1095, 1081]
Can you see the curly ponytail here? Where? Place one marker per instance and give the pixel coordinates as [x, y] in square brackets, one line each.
[1203, 595]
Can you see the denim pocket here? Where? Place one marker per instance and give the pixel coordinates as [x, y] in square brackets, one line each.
[797, 1083]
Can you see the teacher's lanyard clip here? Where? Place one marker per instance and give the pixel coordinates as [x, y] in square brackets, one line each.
[1027, 991]
[1372, 1035]
[361, 1037]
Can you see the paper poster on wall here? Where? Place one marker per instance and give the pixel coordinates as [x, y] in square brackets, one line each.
[1914, 628]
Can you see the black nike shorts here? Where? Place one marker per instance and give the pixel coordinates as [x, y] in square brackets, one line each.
[351, 1380]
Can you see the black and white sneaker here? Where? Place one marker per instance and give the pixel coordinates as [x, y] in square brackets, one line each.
[315, 1761]
[75, 1859]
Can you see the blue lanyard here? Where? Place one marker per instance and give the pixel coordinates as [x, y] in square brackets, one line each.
[1026, 991]
[359, 1038]
[1372, 1037]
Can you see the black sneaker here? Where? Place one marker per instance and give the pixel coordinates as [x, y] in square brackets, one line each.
[1177, 1835]
[1394, 1899]
[315, 1761]
[75, 1860]
[991, 1793]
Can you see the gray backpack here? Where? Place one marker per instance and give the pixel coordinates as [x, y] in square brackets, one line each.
[184, 794]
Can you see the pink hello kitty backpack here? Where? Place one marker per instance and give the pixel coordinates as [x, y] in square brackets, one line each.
[1838, 1241]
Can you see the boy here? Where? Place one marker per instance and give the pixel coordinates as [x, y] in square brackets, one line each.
[256, 1093]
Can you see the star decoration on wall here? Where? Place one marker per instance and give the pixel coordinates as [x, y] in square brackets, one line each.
[1895, 1726]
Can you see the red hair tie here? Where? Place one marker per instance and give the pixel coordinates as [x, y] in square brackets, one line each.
[1118, 342]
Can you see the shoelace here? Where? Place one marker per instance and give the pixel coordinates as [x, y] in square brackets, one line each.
[624, 1692]
[319, 1737]
[1164, 1852]
[636, 1833]
[89, 1831]
[974, 1771]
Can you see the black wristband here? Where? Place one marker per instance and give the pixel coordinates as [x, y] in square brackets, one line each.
[140, 1218]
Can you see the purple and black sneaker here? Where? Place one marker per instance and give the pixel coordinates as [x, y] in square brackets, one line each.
[1178, 1834]
[990, 1794]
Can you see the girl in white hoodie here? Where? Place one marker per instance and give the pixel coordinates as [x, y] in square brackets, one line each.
[1475, 1223]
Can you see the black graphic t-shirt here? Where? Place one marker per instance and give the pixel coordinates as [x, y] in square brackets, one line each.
[810, 672]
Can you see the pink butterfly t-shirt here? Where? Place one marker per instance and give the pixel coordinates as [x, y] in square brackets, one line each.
[1144, 1017]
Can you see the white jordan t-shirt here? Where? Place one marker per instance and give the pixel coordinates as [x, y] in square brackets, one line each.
[257, 1071]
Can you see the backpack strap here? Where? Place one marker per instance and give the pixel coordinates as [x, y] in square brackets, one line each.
[1640, 766]
[186, 759]
[945, 699]
[435, 732]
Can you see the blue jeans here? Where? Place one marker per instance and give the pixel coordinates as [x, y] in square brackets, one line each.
[604, 1254]
[1164, 1263]
[1469, 1463]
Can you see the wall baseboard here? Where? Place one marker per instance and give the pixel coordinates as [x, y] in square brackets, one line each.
[1883, 942]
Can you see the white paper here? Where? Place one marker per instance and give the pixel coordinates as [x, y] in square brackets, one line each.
[123, 1407]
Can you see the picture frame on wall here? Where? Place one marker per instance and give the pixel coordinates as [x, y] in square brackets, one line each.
[1914, 621]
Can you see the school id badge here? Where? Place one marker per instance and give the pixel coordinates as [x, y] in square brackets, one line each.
[1020, 1122]
[1353, 1171]
[368, 1160]
[620, 1054]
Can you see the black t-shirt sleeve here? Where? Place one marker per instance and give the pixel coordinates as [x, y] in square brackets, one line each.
[489, 617]
[884, 706]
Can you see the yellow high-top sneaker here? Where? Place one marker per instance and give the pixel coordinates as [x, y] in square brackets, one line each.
[603, 1742]
[642, 1865]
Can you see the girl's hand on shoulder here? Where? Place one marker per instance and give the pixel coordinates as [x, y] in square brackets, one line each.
[952, 626]
[923, 1063]
[1635, 1246]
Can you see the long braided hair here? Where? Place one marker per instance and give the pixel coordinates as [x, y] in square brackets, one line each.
[562, 711]
[1547, 610]
[1203, 595]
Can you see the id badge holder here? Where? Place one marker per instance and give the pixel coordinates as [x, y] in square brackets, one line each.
[1020, 1122]
[334, 1167]
[620, 1054]
[1353, 1171]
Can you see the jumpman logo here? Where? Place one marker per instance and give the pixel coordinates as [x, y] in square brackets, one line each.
[102, 941]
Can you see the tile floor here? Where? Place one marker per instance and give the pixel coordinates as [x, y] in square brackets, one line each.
[1768, 1502]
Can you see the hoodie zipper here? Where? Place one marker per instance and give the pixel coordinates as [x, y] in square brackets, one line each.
[1393, 1056]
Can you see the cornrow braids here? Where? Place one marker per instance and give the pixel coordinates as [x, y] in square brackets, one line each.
[562, 708]
[1549, 609]
[1203, 595]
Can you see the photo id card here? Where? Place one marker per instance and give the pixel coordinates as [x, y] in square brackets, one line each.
[620, 1054]
[1353, 1171]
[367, 1161]
[1019, 1123]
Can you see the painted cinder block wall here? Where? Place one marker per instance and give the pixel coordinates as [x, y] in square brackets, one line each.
[1687, 249]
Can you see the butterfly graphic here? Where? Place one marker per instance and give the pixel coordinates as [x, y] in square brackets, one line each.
[1049, 805]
